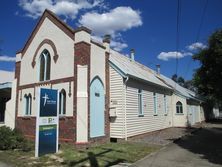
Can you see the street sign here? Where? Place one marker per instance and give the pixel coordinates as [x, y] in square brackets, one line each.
[47, 122]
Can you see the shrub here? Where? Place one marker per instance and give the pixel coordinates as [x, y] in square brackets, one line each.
[12, 139]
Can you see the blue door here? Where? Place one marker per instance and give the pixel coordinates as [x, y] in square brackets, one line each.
[97, 108]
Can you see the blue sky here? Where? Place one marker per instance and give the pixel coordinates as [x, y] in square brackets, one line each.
[147, 26]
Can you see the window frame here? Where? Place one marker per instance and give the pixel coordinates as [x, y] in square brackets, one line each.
[179, 108]
[140, 102]
[155, 104]
[62, 103]
[44, 66]
[28, 104]
[165, 104]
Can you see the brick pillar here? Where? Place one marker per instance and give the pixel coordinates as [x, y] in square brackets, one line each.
[81, 57]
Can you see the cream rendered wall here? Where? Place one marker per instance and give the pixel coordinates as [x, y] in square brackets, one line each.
[117, 96]
[97, 63]
[179, 120]
[82, 104]
[59, 87]
[10, 108]
[65, 49]
[149, 121]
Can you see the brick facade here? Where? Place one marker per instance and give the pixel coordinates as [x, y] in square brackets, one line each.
[67, 124]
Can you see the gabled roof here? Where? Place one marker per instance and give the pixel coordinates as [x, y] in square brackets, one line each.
[133, 69]
[52, 17]
[127, 67]
[177, 88]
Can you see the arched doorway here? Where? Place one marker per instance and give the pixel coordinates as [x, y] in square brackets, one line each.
[97, 108]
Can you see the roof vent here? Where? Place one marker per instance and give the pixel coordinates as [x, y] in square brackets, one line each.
[132, 54]
[158, 69]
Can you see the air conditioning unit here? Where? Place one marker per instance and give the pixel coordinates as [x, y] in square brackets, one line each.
[112, 112]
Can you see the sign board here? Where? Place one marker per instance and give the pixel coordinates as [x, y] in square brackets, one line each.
[47, 122]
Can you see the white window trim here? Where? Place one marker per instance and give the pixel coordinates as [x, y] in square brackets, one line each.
[140, 102]
[165, 105]
[155, 104]
[46, 58]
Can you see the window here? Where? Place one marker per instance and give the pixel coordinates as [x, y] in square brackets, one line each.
[62, 102]
[165, 104]
[45, 62]
[28, 104]
[179, 108]
[155, 103]
[140, 102]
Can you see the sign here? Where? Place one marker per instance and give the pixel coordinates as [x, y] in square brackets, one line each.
[47, 122]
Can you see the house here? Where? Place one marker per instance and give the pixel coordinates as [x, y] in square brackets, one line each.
[59, 57]
[142, 100]
[187, 107]
[102, 93]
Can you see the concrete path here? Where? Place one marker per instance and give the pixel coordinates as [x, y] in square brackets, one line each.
[4, 165]
[202, 148]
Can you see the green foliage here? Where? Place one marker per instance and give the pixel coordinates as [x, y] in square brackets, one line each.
[208, 78]
[12, 139]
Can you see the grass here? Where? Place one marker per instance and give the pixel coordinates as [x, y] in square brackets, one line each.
[101, 155]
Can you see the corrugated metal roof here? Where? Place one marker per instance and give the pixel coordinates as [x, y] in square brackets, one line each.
[135, 69]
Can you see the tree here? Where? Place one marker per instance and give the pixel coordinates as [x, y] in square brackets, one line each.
[208, 78]
[174, 77]
[179, 80]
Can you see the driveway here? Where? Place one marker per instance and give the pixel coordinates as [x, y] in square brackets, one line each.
[202, 148]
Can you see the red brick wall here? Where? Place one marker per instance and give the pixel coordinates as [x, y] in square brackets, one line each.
[67, 126]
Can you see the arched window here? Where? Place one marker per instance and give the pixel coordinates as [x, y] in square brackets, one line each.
[45, 63]
[28, 104]
[62, 102]
[179, 107]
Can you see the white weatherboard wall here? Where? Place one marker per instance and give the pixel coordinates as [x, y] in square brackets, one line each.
[129, 123]
[149, 122]
[82, 105]
[65, 48]
[117, 124]
[179, 120]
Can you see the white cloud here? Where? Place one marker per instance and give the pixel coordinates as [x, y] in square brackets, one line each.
[196, 46]
[116, 45]
[118, 19]
[172, 55]
[7, 58]
[6, 76]
[67, 8]
[113, 22]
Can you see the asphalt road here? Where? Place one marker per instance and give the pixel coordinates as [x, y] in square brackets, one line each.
[200, 149]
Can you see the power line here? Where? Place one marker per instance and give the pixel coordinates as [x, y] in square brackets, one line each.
[198, 33]
[177, 34]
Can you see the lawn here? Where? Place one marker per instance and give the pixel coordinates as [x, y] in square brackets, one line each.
[101, 155]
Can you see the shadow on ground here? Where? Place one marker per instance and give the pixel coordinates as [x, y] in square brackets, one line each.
[92, 158]
[206, 141]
